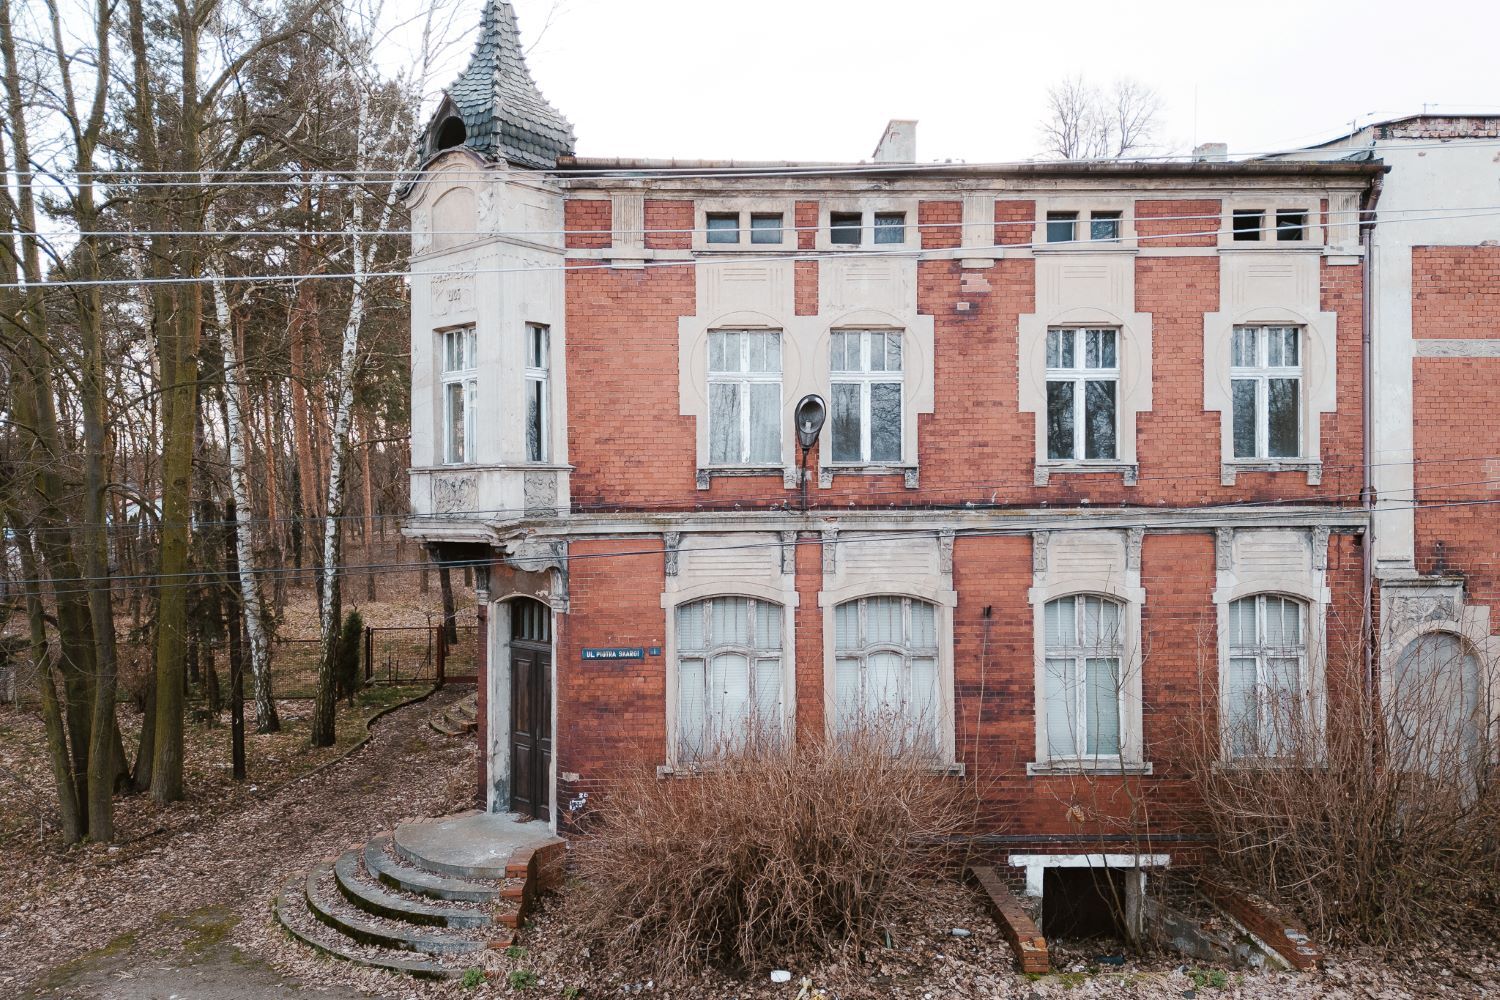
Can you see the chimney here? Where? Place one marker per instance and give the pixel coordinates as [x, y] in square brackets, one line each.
[1211, 152]
[899, 143]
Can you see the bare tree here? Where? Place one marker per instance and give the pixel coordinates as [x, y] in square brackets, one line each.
[1084, 122]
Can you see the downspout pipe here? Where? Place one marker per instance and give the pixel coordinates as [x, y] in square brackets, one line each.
[1367, 491]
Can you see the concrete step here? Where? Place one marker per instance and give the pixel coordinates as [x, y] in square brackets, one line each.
[366, 931]
[291, 912]
[372, 898]
[424, 883]
[441, 725]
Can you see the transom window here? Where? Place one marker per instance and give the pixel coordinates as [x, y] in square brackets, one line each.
[1084, 646]
[1083, 378]
[744, 397]
[729, 675]
[865, 371]
[886, 670]
[1265, 380]
[1265, 698]
[460, 382]
[538, 383]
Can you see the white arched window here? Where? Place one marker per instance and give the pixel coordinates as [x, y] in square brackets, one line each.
[729, 675]
[1084, 645]
[1438, 709]
[886, 669]
[1265, 698]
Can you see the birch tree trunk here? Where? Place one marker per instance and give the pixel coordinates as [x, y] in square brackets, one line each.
[239, 484]
[361, 257]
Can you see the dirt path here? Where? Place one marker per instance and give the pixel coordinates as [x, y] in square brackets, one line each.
[176, 917]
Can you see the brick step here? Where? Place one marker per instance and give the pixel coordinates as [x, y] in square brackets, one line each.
[413, 879]
[357, 926]
[291, 912]
[373, 898]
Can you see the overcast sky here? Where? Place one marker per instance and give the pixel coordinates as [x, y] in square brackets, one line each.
[818, 79]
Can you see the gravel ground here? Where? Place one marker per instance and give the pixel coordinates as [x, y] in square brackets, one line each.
[188, 917]
[133, 911]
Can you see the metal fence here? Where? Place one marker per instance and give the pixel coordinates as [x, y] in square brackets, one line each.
[421, 654]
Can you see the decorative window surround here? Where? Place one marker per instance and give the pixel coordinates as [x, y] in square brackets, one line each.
[1085, 207]
[1288, 562]
[1416, 607]
[1260, 287]
[1268, 204]
[754, 293]
[868, 207]
[744, 208]
[741, 564]
[1087, 290]
[1103, 563]
[902, 566]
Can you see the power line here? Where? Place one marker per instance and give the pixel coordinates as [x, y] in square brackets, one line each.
[690, 170]
[733, 504]
[1188, 520]
[900, 252]
[1359, 214]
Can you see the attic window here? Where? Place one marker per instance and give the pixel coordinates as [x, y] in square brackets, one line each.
[1247, 224]
[1291, 225]
[724, 227]
[451, 133]
[844, 228]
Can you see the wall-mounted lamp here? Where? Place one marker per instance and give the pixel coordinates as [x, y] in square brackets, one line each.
[810, 415]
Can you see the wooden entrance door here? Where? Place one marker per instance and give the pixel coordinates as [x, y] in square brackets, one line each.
[530, 708]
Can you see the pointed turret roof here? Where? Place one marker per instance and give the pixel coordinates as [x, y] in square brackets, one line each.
[504, 115]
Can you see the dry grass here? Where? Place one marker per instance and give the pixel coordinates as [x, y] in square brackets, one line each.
[773, 856]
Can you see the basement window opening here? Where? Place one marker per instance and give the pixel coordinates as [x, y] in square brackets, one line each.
[1084, 903]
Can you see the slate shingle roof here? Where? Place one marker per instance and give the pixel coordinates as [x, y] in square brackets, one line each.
[505, 115]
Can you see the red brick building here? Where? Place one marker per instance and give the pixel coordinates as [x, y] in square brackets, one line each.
[1089, 502]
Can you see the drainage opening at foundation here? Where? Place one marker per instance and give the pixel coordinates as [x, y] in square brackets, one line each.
[1082, 903]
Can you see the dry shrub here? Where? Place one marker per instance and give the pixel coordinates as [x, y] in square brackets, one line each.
[1382, 826]
[770, 857]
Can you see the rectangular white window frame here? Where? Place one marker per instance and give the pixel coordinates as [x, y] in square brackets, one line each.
[459, 385]
[867, 403]
[1265, 382]
[538, 377]
[745, 398]
[1083, 379]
